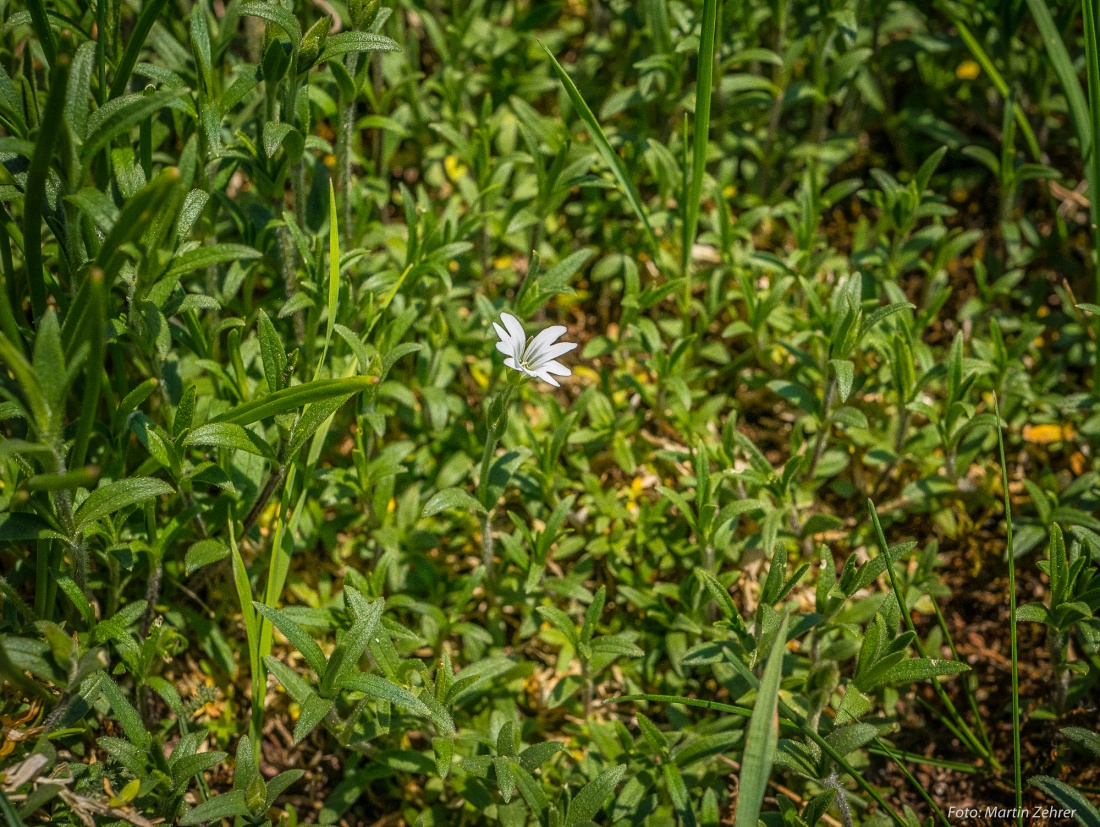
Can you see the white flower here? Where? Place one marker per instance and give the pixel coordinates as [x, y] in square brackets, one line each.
[537, 359]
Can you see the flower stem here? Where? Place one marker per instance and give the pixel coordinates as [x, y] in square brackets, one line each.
[496, 421]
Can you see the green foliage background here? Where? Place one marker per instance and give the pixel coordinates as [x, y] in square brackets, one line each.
[283, 541]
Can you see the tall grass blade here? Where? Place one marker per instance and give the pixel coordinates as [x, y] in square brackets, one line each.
[333, 274]
[134, 44]
[762, 737]
[1062, 64]
[603, 146]
[1092, 73]
[1013, 653]
[703, 94]
[41, 25]
[998, 81]
[251, 627]
[34, 203]
[94, 333]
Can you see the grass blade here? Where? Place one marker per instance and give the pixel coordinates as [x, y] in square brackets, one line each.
[1092, 71]
[35, 199]
[618, 171]
[93, 332]
[289, 398]
[251, 627]
[41, 25]
[333, 274]
[998, 81]
[1062, 64]
[1013, 654]
[134, 44]
[703, 94]
[762, 737]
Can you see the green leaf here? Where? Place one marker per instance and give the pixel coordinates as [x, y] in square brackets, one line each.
[209, 255]
[125, 714]
[1069, 799]
[1032, 613]
[312, 713]
[288, 399]
[274, 13]
[296, 635]
[34, 200]
[722, 598]
[277, 785]
[21, 525]
[230, 436]
[115, 496]
[190, 766]
[593, 795]
[120, 115]
[1089, 740]
[538, 754]
[851, 737]
[908, 671]
[845, 376]
[1064, 68]
[272, 352]
[883, 313]
[616, 645]
[346, 42]
[762, 736]
[451, 498]
[279, 134]
[603, 146]
[385, 690]
[229, 805]
[1059, 566]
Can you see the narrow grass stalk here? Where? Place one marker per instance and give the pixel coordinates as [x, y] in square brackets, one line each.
[1013, 650]
[694, 191]
[999, 83]
[603, 146]
[913, 781]
[917, 758]
[968, 735]
[34, 203]
[1092, 72]
[1063, 67]
[971, 701]
[93, 333]
[256, 666]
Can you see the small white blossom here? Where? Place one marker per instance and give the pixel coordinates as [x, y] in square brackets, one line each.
[537, 359]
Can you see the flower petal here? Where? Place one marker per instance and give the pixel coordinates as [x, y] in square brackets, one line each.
[556, 368]
[547, 378]
[554, 351]
[515, 329]
[541, 342]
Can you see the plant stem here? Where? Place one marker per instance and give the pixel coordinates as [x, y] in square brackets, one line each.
[496, 419]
